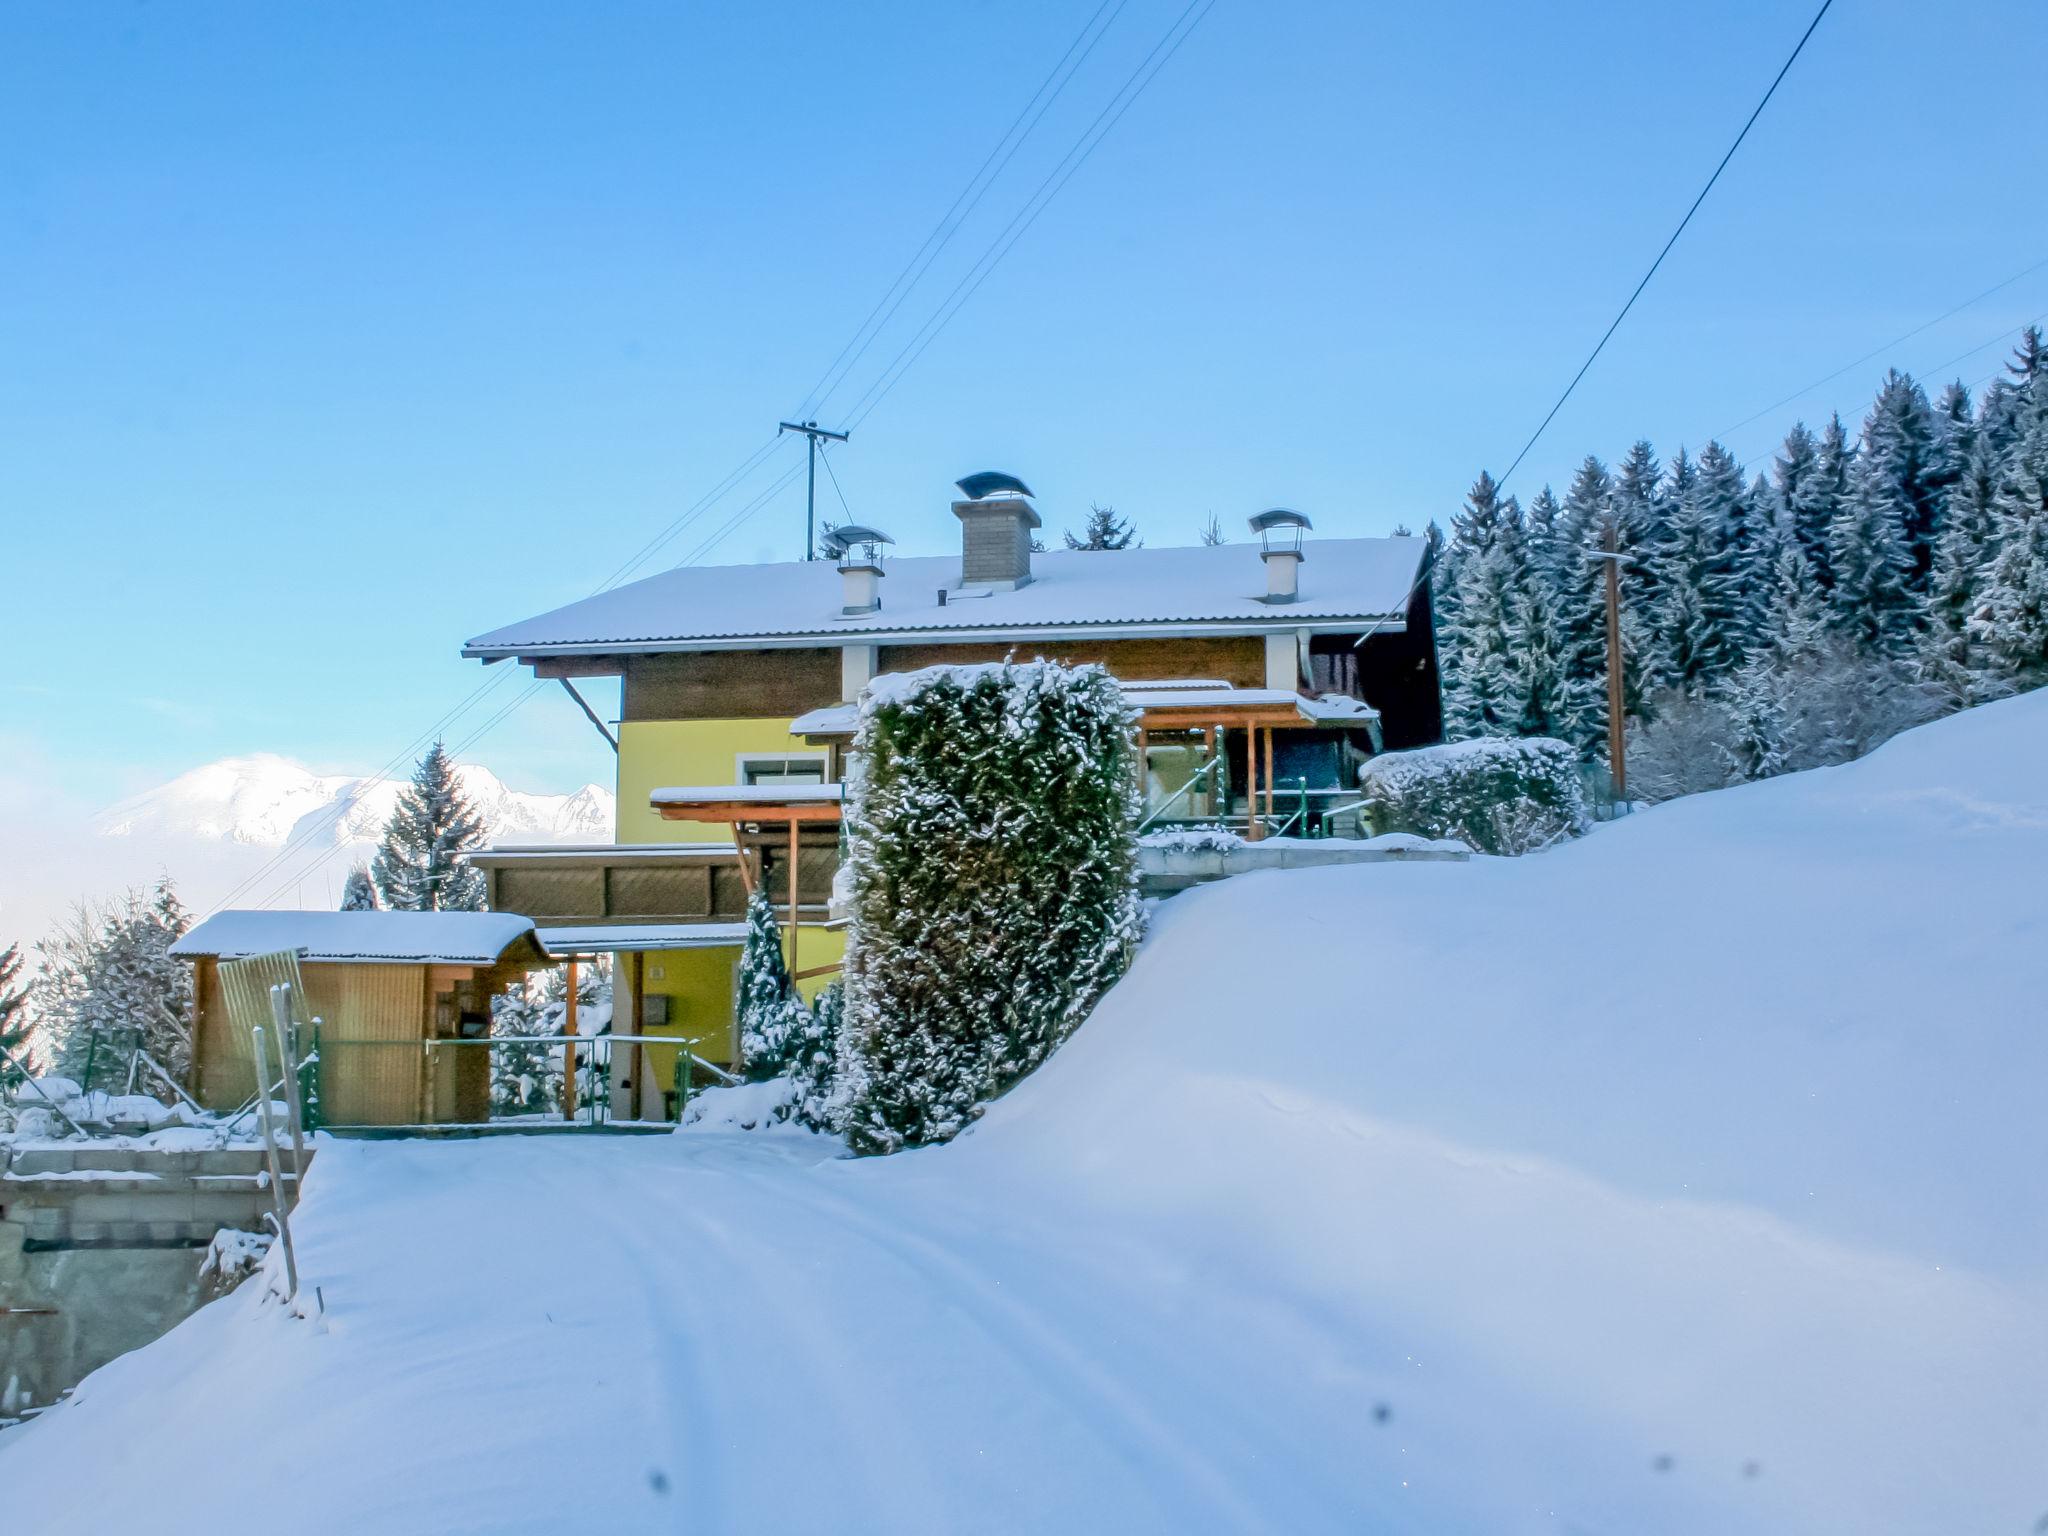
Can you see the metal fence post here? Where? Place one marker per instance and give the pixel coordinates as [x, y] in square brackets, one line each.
[279, 1216]
[281, 1015]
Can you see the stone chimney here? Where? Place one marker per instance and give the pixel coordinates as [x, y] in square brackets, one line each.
[996, 524]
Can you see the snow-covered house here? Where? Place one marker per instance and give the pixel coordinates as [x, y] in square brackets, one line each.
[1264, 673]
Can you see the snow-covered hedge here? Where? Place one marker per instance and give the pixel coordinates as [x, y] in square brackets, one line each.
[989, 829]
[1500, 795]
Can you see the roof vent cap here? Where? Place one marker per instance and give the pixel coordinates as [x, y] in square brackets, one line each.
[1280, 531]
[991, 482]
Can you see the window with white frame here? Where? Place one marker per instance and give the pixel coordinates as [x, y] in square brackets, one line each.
[770, 768]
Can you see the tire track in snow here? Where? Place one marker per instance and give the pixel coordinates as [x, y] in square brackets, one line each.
[1041, 1350]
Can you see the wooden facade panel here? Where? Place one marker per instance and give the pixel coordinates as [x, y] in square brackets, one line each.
[544, 893]
[373, 1032]
[652, 891]
[1239, 660]
[730, 685]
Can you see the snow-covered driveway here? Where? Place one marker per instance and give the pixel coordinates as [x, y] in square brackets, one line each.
[1687, 1180]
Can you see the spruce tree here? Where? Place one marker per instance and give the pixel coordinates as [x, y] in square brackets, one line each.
[359, 894]
[989, 835]
[1953, 659]
[1580, 582]
[1104, 530]
[1896, 473]
[1482, 587]
[1821, 500]
[423, 863]
[2016, 586]
[1729, 525]
[768, 1008]
[1870, 602]
[13, 1016]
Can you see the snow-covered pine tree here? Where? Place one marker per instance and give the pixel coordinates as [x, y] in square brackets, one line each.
[1955, 435]
[1869, 601]
[2016, 585]
[13, 1015]
[768, 1009]
[1897, 448]
[989, 833]
[1580, 582]
[1695, 588]
[1794, 476]
[423, 863]
[1534, 656]
[1104, 530]
[1483, 575]
[1727, 591]
[107, 971]
[1953, 659]
[1822, 496]
[812, 1053]
[359, 893]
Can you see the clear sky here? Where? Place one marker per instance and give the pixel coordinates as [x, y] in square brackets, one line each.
[333, 334]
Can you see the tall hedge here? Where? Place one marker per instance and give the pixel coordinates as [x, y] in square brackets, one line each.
[990, 838]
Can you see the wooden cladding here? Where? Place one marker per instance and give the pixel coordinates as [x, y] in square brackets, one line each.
[1239, 660]
[730, 685]
[700, 889]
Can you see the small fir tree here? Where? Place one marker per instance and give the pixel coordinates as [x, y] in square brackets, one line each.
[1104, 530]
[768, 1007]
[359, 894]
[423, 863]
[994, 888]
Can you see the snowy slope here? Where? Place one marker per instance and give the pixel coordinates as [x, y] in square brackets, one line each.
[268, 800]
[1686, 1179]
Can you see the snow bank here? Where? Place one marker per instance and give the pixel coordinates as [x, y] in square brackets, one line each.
[1684, 1180]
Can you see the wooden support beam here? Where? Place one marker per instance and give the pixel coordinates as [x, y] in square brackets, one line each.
[817, 970]
[1252, 831]
[569, 1049]
[746, 862]
[792, 894]
[1270, 807]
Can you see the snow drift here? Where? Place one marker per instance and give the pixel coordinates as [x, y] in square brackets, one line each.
[1683, 1179]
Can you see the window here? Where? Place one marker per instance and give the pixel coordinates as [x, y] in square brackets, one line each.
[796, 768]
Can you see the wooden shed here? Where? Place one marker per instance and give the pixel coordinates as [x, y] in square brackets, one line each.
[384, 986]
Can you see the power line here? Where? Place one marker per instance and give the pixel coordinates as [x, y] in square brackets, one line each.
[1783, 70]
[1895, 341]
[953, 218]
[1091, 137]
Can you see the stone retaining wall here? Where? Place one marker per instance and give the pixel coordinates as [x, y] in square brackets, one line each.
[100, 1250]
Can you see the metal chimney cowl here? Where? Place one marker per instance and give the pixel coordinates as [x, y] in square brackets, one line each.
[995, 531]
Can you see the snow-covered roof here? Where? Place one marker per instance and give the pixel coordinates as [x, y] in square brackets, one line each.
[603, 938]
[435, 938]
[1191, 693]
[748, 794]
[1214, 588]
[601, 853]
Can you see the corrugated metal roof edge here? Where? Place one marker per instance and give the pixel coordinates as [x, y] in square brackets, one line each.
[1092, 629]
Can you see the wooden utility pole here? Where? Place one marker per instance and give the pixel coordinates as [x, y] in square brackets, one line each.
[1617, 762]
[811, 431]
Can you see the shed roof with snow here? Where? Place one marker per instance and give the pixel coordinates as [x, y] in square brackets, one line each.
[1202, 589]
[364, 938]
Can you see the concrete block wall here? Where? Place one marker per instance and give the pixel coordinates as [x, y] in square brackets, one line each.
[100, 1250]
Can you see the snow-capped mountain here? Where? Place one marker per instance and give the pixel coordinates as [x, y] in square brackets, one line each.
[265, 800]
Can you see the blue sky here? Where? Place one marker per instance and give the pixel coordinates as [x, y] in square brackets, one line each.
[335, 334]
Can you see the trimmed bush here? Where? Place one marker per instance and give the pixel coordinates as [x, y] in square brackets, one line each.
[1499, 795]
[989, 831]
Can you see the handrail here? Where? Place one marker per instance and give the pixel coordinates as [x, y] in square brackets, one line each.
[1194, 779]
[728, 1078]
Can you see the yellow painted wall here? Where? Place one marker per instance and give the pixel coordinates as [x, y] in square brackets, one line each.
[700, 986]
[655, 753]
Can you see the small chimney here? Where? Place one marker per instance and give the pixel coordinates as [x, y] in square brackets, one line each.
[996, 523]
[1280, 534]
[858, 550]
